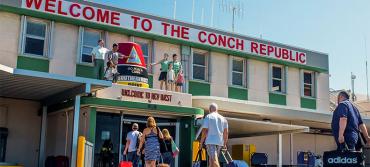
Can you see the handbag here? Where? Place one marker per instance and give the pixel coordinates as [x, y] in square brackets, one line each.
[174, 149]
[343, 158]
[162, 164]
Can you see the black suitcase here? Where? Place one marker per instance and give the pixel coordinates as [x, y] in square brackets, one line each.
[61, 161]
[50, 161]
[343, 159]
[259, 159]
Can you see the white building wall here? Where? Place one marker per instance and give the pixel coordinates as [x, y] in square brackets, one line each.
[258, 81]
[323, 92]
[65, 50]
[10, 28]
[301, 142]
[293, 96]
[160, 48]
[115, 38]
[219, 70]
[264, 144]
[59, 133]
[23, 123]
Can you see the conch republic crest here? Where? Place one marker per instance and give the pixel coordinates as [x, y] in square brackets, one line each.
[132, 67]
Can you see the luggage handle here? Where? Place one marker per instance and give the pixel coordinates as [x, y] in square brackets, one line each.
[224, 152]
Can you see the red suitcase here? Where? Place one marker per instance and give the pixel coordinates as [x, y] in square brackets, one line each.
[125, 164]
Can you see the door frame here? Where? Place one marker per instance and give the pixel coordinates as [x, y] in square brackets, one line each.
[175, 124]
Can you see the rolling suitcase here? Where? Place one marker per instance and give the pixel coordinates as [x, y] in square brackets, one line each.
[259, 159]
[125, 163]
[50, 161]
[61, 161]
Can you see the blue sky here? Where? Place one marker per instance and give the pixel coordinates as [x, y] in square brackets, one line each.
[336, 27]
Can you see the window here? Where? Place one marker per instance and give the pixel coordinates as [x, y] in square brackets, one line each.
[89, 41]
[146, 48]
[308, 84]
[277, 79]
[200, 66]
[35, 38]
[238, 72]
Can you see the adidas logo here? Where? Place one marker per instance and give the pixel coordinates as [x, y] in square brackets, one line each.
[342, 160]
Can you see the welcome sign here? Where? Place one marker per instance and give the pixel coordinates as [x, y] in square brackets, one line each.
[157, 27]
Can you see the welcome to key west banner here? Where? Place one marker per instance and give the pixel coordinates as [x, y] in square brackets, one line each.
[152, 26]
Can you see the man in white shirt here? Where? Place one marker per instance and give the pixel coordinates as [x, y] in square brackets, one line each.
[131, 145]
[215, 134]
[98, 56]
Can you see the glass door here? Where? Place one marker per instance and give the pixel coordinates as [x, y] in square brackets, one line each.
[127, 121]
[107, 139]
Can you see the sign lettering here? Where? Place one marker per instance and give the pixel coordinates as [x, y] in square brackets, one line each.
[146, 25]
[146, 95]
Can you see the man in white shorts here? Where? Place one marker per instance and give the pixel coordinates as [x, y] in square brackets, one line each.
[215, 134]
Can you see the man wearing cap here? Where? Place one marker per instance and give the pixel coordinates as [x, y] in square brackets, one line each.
[131, 145]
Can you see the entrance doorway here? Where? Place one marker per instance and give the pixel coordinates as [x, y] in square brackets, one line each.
[111, 132]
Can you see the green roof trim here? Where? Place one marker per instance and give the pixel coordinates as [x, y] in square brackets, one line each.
[139, 105]
[151, 36]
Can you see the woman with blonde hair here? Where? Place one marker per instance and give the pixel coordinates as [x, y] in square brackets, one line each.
[151, 136]
[166, 147]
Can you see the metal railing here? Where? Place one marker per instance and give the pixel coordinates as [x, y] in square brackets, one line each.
[89, 154]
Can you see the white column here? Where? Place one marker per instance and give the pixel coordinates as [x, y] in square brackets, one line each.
[280, 150]
[76, 117]
[177, 141]
[291, 149]
[120, 139]
[43, 136]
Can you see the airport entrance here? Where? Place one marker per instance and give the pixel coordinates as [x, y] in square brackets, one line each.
[111, 132]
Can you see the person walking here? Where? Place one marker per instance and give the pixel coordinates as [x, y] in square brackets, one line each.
[347, 123]
[166, 147]
[164, 67]
[214, 134]
[131, 145]
[98, 57]
[151, 137]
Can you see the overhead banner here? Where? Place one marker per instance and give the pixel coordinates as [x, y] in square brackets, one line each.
[157, 27]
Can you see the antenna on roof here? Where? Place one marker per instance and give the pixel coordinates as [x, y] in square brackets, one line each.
[192, 12]
[174, 9]
[367, 76]
[235, 7]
